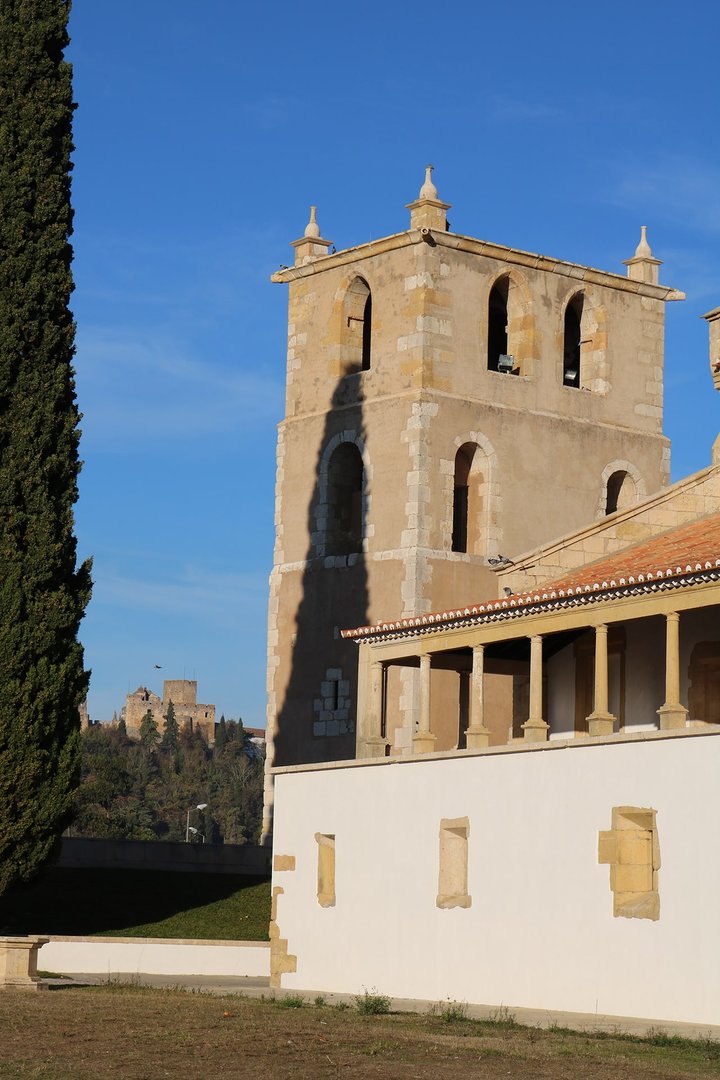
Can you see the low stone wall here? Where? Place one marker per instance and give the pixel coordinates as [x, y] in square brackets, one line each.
[154, 956]
[82, 853]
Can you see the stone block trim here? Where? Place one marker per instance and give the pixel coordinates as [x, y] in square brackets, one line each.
[318, 538]
[524, 338]
[419, 521]
[281, 961]
[325, 869]
[620, 465]
[333, 708]
[453, 864]
[632, 851]
[683, 503]
[487, 463]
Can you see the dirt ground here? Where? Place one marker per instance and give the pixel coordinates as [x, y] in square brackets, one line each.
[134, 1033]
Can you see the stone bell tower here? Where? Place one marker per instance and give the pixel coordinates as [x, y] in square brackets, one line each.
[450, 403]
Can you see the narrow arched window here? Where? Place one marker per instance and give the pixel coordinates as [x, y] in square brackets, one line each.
[621, 492]
[461, 497]
[345, 501]
[572, 342]
[498, 327]
[357, 327]
[366, 333]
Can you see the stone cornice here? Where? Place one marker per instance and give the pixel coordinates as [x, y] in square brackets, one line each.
[513, 256]
[541, 601]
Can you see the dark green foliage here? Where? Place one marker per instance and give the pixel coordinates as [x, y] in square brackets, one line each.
[132, 792]
[42, 594]
[220, 735]
[171, 731]
[149, 734]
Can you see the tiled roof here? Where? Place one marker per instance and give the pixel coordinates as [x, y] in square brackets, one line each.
[255, 732]
[686, 550]
[680, 548]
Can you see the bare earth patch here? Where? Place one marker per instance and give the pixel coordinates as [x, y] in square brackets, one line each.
[135, 1033]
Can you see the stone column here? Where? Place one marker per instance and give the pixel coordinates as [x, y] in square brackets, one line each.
[601, 721]
[18, 963]
[424, 740]
[672, 714]
[369, 705]
[477, 735]
[535, 729]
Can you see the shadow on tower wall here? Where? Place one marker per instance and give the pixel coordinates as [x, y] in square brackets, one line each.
[315, 683]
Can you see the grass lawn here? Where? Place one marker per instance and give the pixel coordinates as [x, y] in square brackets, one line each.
[139, 903]
[133, 1033]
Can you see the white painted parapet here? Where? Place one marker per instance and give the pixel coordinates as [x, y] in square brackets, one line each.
[589, 874]
[154, 956]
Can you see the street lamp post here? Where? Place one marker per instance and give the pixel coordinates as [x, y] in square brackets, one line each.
[188, 830]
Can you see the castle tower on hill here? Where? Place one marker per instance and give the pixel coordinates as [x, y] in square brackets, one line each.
[189, 713]
[451, 403]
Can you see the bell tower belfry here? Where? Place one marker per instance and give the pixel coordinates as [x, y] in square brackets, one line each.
[450, 404]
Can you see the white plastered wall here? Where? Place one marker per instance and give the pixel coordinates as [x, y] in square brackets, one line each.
[540, 932]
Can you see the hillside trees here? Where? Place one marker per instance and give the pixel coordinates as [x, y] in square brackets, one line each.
[132, 791]
[42, 592]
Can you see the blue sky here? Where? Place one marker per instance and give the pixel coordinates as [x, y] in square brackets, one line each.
[204, 132]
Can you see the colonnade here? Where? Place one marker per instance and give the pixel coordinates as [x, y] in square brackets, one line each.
[372, 741]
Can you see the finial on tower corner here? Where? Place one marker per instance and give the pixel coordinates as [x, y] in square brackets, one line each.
[428, 190]
[428, 212]
[643, 266]
[311, 245]
[312, 228]
[642, 251]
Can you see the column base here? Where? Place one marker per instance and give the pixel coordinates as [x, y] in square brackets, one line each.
[535, 731]
[23, 984]
[672, 717]
[424, 743]
[476, 737]
[600, 723]
[372, 747]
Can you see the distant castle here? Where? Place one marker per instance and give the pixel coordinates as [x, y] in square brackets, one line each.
[183, 695]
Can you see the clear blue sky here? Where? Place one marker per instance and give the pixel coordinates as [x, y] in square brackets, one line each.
[203, 133]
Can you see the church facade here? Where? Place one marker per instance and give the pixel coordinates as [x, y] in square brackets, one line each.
[450, 403]
[526, 816]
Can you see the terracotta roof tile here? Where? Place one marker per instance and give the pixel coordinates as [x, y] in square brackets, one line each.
[678, 551]
[680, 548]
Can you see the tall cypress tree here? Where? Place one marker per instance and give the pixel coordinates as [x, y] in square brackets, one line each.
[42, 592]
[171, 731]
